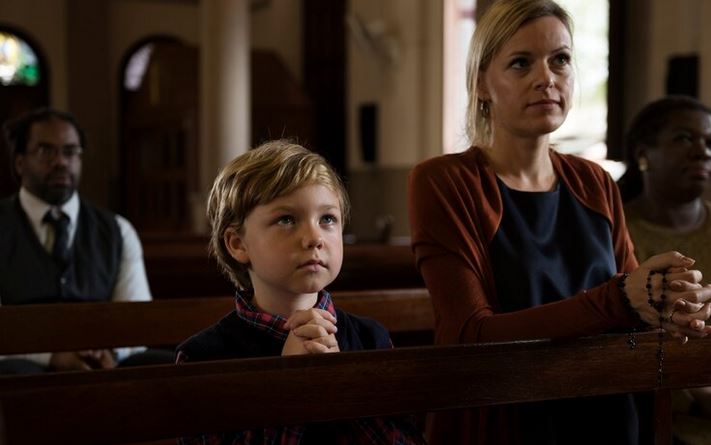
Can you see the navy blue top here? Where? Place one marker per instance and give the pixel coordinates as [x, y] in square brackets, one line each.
[549, 247]
[233, 337]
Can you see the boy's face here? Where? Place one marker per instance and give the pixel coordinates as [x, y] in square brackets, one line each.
[294, 244]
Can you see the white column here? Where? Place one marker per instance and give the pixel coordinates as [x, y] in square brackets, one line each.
[225, 100]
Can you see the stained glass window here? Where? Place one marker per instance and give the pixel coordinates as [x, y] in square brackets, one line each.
[18, 62]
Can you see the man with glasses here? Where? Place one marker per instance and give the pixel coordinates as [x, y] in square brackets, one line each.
[54, 246]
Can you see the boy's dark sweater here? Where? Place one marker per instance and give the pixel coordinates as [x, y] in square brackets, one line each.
[233, 337]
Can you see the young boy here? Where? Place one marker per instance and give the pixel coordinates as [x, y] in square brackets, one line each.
[277, 214]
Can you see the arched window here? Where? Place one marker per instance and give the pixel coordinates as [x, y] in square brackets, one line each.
[159, 132]
[24, 85]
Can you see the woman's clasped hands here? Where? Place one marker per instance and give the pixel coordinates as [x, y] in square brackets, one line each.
[665, 287]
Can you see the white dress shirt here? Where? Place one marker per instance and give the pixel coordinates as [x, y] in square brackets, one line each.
[131, 283]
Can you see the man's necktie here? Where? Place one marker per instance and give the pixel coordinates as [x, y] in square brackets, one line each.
[60, 249]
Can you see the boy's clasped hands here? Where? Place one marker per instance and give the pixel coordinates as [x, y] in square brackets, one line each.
[311, 331]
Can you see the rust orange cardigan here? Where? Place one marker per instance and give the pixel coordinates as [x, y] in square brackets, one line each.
[455, 209]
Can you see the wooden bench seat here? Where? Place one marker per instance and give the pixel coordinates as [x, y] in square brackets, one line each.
[128, 405]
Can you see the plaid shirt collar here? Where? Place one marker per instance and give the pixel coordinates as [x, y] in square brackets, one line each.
[271, 323]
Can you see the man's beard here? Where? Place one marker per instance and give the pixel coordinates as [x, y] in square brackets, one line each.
[58, 194]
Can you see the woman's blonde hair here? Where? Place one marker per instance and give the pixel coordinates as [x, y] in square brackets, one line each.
[273, 169]
[498, 24]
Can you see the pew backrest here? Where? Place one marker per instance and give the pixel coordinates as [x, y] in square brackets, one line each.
[76, 326]
[365, 266]
[124, 405]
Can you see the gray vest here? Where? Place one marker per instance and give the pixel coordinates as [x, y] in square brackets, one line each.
[29, 274]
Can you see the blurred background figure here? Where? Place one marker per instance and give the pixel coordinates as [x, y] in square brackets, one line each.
[669, 162]
[55, 246]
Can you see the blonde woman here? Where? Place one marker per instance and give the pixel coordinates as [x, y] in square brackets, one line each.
[516, 241]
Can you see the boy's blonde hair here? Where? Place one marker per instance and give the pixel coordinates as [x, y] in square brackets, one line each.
[273, 169]
[498, 24]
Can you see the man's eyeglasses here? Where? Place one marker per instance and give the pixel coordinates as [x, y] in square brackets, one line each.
[47, 152]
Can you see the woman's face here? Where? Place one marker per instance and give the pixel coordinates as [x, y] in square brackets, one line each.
[679, 164]
[529, 82]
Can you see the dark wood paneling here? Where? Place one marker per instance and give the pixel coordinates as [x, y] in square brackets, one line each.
[159, 134]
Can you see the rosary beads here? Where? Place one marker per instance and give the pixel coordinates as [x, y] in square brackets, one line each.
[658, 305]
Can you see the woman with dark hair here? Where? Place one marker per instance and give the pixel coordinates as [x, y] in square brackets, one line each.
[668, 151]
[643, 135]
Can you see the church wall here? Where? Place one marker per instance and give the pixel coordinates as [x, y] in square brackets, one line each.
[657, 30]
[277, 27]
[400, 74]
[406, 91]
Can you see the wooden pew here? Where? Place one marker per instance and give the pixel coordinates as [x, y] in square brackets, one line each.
[75, 326]
[150, 403]
[179, 267]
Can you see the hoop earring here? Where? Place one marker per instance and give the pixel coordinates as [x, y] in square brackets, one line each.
[484, 108]
[643, 164]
